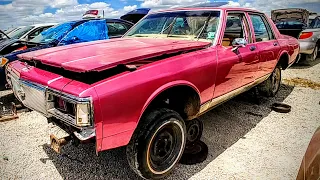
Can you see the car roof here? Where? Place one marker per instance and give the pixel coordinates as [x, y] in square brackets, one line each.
[44, 24]
[199, 8]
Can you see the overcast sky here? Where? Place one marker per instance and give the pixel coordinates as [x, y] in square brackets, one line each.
[25, 12]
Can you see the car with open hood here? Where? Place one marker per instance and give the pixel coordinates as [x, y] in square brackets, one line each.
[72, 32]
[141, 90]
[303, 25]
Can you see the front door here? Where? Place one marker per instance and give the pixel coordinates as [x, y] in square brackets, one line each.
[235, 68]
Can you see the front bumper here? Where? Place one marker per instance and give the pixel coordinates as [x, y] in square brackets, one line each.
[37, 97]
[307, 47]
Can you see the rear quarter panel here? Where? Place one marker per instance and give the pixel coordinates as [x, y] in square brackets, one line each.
[288, 44]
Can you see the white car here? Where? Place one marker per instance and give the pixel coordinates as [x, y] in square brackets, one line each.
[29, 32]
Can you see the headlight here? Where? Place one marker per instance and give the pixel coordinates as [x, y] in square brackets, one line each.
[83, 115]
[3, 61]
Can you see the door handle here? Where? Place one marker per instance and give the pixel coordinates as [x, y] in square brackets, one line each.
[252, 48]
[275, 44]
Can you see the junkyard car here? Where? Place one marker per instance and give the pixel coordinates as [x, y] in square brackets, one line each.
[297, 23]
[140, 90]
[310, 165]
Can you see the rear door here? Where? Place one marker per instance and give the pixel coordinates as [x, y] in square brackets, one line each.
[266, 44]
[235, 69]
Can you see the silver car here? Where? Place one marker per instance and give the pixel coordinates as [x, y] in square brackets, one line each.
[303, 25]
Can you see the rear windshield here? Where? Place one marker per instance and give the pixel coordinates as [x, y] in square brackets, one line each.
[290, 25]
[55, 33]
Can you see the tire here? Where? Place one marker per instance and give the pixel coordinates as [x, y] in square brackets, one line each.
[312, 57]
[271, 86]
[281, 107]
[194, 153]
[194, 130]
[157, 144]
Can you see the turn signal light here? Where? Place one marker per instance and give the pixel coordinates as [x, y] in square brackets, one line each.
[305, 35]
[82, 116]
[3, 61]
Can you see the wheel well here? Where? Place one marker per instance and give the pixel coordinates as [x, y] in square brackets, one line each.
[182, 99]
[284, 61]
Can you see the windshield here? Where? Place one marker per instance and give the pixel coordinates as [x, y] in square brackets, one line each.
[19, 33]
[314, 23]
[55, 33]
[191, 25]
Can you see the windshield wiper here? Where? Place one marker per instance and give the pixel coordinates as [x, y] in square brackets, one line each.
[204, 26]
[170, 26]
[138, 35]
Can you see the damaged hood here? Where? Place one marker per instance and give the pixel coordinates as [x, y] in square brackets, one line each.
[105, 54]
[292, 14]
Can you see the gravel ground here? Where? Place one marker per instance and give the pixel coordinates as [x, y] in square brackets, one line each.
[246, 140]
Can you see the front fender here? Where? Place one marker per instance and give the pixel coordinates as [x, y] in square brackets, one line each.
[165, 87]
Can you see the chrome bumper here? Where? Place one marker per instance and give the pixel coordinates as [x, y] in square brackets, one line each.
[36, 97]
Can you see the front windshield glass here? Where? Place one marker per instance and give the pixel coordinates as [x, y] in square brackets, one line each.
[19, 33]
[55, 33]
[191, 25]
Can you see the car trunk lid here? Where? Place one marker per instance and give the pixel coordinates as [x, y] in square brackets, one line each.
[290, 21]
[293, 14]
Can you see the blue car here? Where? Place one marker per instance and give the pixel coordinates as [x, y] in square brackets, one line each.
[72, 32]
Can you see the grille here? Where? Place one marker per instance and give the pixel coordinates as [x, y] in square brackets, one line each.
[31, 95]
[35, 97]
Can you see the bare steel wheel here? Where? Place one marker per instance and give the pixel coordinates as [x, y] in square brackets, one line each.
[157, 144]
[271, 86]
[276, 80]
[194, 130]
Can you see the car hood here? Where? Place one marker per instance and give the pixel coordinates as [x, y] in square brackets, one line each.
[292, 14]
[105, 54]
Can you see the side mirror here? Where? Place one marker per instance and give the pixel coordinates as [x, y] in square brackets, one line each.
[238, 42]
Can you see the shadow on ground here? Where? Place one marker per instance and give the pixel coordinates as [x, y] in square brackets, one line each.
[224, 126]
[303, 65]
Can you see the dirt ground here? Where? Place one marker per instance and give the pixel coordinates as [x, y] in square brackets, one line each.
[246, 140]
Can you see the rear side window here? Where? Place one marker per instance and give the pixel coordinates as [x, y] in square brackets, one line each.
[262, 30]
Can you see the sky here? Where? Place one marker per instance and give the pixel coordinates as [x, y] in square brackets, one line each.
[26, 12]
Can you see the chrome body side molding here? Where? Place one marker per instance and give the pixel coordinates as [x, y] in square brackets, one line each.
[223, 98]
